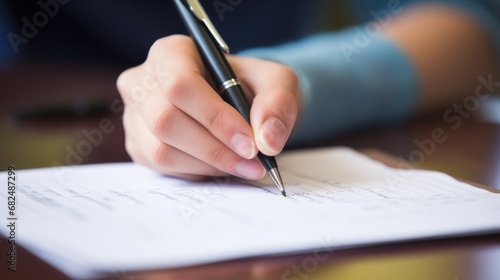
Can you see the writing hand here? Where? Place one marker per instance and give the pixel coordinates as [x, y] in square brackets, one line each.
[177, 124]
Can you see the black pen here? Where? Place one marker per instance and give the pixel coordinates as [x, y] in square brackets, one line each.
[212, 49]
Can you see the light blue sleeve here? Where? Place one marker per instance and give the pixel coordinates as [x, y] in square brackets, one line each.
[349, 80]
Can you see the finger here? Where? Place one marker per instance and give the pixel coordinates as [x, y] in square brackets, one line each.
[195, 97]
[180, 82]
[159, 114]
[170, 126]
[274, 108]
[186, 87]
[147, 150]
[166, 149]
[139, 158]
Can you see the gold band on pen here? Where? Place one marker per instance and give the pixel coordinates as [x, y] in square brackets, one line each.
[229, 83]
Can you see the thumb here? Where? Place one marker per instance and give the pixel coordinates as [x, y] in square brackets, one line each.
[275, 105]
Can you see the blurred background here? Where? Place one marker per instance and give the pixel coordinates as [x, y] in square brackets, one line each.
[58, 70]
[59, 61]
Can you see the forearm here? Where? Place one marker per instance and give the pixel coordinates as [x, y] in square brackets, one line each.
[349, 81]
[449, 51]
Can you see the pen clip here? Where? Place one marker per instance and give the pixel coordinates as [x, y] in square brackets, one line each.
[199, 12]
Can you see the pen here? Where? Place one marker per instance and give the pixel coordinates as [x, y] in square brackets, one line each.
[212, 49]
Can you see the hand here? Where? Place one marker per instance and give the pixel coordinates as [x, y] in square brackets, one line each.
[177, 124]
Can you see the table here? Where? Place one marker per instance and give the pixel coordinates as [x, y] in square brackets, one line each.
[470, 152]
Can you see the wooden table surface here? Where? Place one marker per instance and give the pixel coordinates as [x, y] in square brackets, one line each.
[470, 151]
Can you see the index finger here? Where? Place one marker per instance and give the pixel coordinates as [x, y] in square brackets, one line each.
[183, 83]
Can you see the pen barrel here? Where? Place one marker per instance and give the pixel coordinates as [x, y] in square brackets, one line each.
[215, 61]
[267, 161]
[212, 55]
[217, 65]
[236, 98]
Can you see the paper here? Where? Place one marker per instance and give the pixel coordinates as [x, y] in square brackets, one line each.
[94, 219]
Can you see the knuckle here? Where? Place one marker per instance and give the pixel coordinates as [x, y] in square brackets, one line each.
[163, 121]
[217, 156]
[217, 119]
[131, 87]
[175, 86]
[161, 154]
[160, 46]
[123, 82]
[180, 39]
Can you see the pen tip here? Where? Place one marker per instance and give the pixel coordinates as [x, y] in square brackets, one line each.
[275, 175]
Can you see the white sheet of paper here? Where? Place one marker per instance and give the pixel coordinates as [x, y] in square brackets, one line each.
[93, 219]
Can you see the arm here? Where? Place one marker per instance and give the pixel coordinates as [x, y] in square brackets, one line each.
[449, 49]
[425, 58]
[177, 124]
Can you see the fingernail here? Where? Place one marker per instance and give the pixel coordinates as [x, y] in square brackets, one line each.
[272, 136]
[243, 145]
[250, 169]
